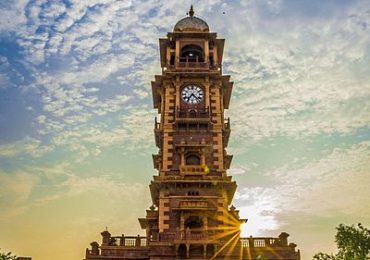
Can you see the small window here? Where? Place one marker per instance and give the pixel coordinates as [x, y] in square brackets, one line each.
[172, 59]
[192, 113]
[211, 60]
[193, 222]
[192, 160]
[191, 53]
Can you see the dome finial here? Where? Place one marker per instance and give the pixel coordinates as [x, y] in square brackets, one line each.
[191, 11]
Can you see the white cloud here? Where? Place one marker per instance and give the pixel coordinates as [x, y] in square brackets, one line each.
[298, 77]
[237, 171]
[28, 146]
[298, 73]
[13, 16]
[260, 206]
[331, 186]
[15, 190]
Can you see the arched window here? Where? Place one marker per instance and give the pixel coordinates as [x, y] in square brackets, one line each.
[182, 251]
[191, 53]
[193, 222]
[192, 113]
[192, 159]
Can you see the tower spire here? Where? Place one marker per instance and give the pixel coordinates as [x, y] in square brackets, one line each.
[191, 11]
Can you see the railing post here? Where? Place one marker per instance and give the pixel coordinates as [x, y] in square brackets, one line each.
[105, 237]
[283, 237]
[122, 240]
[251, 242]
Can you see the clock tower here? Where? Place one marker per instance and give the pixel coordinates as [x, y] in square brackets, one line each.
[192, 192]
[191, 216]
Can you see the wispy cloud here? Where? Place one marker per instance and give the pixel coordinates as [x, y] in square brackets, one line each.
[76, 75]
[28, 146]
[331, 186]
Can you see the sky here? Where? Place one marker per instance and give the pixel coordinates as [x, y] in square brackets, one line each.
[76, 117]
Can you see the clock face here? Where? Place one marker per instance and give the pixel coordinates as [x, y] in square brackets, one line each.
[192, 94]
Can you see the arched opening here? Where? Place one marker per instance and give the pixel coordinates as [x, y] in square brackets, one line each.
[182, 251]
[192, 159]
[192, 113]
[191, 53]
[194, 222]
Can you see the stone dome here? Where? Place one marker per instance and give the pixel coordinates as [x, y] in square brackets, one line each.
[191, 24]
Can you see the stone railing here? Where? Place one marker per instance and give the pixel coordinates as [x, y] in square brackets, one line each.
[227, 124]
[121, 243]
[193, 113]
[193, 170]
[192, 64]
[128, 241]
[157, 125]
[188, 235]
[193, 235]
[193, 204]
[261, 242]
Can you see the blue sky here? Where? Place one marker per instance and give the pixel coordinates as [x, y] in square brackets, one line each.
[76, 116]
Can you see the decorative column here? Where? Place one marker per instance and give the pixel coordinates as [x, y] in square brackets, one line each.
[105, 237]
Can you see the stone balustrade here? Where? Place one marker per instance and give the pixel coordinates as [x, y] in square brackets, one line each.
[122, 243]
[193, 204]
[192, 170]
[193, 113]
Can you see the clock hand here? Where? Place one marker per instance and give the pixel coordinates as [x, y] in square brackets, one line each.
[194, 96]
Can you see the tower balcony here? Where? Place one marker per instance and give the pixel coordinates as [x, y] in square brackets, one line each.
[157, 133]
[184, 63]
[192, 115]
[194, 235]
[190, 236]
[194, 204]
[257, 241]
[189, 66]
[193, 170]
[227, 159]
[156, 161]
[226, 132]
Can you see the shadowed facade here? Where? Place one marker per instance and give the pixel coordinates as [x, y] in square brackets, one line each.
[192, 216]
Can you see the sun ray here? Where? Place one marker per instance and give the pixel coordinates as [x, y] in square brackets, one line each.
[248, 249]
[223, 247]
[272, 250]
[222, 235]
[232, 246]
[240, 250]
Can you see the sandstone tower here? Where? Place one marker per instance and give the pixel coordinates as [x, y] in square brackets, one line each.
[191, 216]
